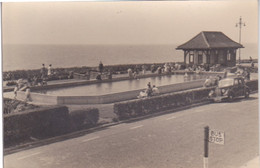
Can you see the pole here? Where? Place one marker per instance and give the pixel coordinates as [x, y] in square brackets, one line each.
[240, 24]
[206, 146]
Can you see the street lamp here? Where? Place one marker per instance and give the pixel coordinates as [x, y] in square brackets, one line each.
[240, 24]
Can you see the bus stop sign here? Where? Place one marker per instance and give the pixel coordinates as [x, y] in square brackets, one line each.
[216, 136]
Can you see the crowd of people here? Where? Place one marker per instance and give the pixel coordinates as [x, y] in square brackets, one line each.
[166, 68]
[149, 91]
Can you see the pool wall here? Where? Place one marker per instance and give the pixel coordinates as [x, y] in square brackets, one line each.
[38, 98]
[106, 98]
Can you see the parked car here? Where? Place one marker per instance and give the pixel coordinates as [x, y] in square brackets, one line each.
[229, 88]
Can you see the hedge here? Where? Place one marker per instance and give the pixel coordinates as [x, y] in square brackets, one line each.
[81, 119]
[140, 107]
[38, 123]
[45, 122]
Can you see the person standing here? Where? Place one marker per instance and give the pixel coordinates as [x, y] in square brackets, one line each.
[28, 94]
[153, 69]
[101, 67]
[15, 91]
[225, 74]
[144, 69]
[50, 70]
[149, 89]
[43, 71]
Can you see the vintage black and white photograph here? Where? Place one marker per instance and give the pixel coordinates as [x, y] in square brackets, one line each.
[130, 84]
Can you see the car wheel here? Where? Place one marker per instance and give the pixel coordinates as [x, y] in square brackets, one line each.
[247, 93]
[231, 97]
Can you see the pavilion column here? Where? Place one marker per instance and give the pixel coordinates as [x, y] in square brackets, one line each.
[185, 55]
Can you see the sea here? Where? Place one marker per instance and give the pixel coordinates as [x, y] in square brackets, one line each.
[24, 57]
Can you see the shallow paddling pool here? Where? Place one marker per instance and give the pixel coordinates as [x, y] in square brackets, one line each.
[116, 90]
[120, 86]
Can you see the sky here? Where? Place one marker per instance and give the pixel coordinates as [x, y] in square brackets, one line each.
[126, 22]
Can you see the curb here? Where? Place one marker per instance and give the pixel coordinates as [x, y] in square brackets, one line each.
[37, 143]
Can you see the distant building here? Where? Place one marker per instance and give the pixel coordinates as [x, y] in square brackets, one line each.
[210, 48]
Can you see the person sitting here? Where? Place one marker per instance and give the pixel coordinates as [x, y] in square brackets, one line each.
[135, 75]
[155, 90]
[142, 94]
[109, 74]
[130, 73]
[159, 70]
[252, 64]
[99, 76]
[246, 74]
[207, 82]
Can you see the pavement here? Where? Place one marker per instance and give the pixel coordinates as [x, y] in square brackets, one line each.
[254, 163]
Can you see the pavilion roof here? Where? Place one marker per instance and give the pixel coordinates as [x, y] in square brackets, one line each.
[210, 40]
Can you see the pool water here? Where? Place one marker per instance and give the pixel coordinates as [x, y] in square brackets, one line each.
[120, 86]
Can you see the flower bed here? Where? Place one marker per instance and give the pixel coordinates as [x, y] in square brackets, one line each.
[14, 106]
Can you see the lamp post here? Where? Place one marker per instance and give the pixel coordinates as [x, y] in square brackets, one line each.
[240, 24]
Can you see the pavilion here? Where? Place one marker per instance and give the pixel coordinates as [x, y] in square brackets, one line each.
[210, 48]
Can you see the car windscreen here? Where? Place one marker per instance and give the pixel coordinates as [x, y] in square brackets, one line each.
[225, 83]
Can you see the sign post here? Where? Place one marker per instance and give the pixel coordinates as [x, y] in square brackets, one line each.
[206, 147]
[214, 136]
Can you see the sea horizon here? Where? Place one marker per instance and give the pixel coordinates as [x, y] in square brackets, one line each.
[32, 56]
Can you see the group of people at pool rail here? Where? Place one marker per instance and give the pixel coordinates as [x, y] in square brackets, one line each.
[149, 91]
